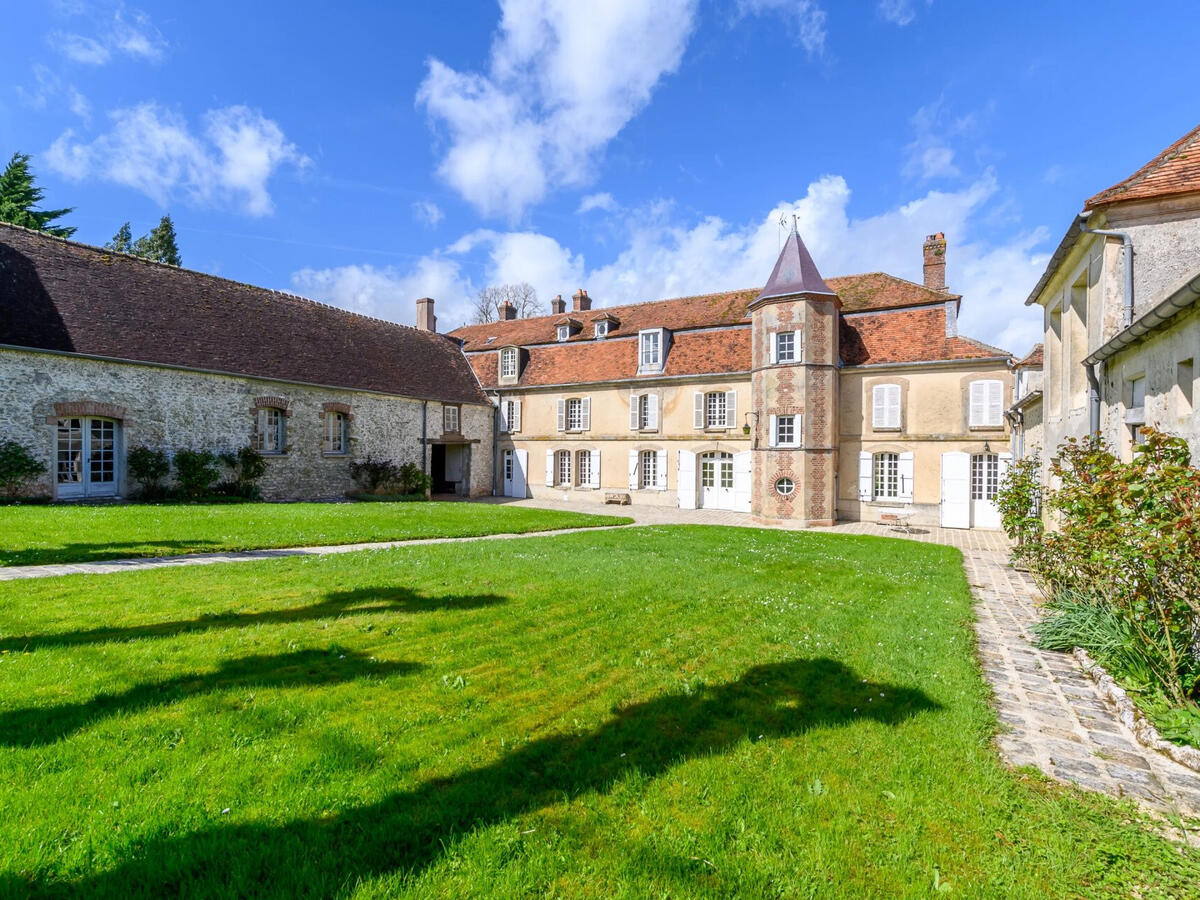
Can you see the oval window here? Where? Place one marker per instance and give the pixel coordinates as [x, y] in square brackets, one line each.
[785, 486]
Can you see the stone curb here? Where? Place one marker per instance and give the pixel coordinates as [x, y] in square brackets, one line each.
[1132, 718]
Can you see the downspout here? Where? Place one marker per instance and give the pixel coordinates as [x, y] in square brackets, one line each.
[1094, 398]
[496, 473]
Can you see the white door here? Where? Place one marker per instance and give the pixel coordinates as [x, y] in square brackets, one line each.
[520, 474]
[513, 464]
[956, 490]
[86, 458]
[686, 479]
[986, 471]
[716, 480]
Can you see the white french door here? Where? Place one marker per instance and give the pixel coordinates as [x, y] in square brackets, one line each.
[86, 457]
[986, 471]
[514, 466]
[716, 480]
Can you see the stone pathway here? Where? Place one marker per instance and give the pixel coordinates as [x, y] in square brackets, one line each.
[1058, 720]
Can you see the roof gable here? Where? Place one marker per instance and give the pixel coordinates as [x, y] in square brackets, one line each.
[65, 296]
[1174, 171]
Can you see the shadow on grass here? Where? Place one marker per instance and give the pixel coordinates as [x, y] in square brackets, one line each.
[409, 831]
[35, 726]
[361, 601]
[68, 554]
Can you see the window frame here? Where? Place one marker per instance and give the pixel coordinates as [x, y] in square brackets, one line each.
[648, 470]
[601, 329]
[659, 338]
[710, 402]
[583, 468]
[777, 438]
[790, 488]
[985, 476]
[562, 468]
[451, 411]
[263, 429]
[562, 333]
[985, 403]
[337, 424]
[509, 355]
[573, 414]
[883, 423]
[779, 358]
[885, 475]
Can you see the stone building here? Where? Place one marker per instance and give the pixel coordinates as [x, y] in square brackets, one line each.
[1025, 414]
[808, 400]
[1120, 304]
[101, 352]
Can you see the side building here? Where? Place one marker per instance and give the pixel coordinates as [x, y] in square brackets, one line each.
[101, 352]
[1121, 304]
[808, 400]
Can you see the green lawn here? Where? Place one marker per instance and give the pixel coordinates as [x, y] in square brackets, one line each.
[652, 712]
[33, 535]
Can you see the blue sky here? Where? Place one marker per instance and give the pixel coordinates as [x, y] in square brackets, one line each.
[367, 154]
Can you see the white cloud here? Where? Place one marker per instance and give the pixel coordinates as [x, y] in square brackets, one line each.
[563, 79]
[153, 150]
[427, 213]
[806, 20]
[898, 12]
[603, 201]
[126, 32]
[389, 293]
[49, 86]
[930, 155]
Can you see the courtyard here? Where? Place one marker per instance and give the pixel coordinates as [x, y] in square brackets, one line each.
[657, 710]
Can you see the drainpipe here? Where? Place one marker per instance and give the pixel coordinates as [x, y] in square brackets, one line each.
[424, 433]
[1093, 398]
[1127, 248]
[496, 447]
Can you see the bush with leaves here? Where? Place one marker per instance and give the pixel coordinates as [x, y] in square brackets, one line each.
[413, 480]
[249, 466]
[1128, 535]
[149, 468]
[18, 466]
[1019, 500]
[382, 476]
[196, 471]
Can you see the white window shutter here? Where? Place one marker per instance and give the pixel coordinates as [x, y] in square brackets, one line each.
[550, 467]
[634, 411]
[685, 479]
[505, 425]
[562, 415]
[773, 430]
[995, 402]
[978, 402]
[907, 469]
[661, 474]
[773, 349]
[594, 479]
[865, 485]
[652, 411]
[878, 406]
[633, 470]
[515, 424]
[698, 410]
[893, 406]
[730, 409]
[586, 413]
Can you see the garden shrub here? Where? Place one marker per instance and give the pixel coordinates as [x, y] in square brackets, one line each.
[1019, 500]
[249, 466]
[382, 476]
[1127, 540]
[413, 480]
[196, 472]
[149, 468]
[18, 466]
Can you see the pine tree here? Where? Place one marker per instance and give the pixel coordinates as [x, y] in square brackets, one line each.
[19, 195]
[122, 241]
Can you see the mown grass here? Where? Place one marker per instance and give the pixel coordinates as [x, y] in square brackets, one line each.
[652, 712]
[35, 535]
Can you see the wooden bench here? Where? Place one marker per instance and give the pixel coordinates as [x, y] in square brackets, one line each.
[618, 498]
[896, 519]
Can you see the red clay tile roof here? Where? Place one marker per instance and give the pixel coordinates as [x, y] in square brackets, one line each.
[873, 290]
[708, 352]
[1033, 359]
[61, 295]
[907, 335]
[1174, 171]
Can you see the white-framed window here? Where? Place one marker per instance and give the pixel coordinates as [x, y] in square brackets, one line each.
[562, 467]
[450, 419]
[270, 430]
[508, 465]
[785, 487]
[650, 350]
[887, 476]
[785, 346]
[564, 332]
[575, 414]
[648, 466]
[785, 431]
[643, 412]
[583, 468]
[715, 409]
[885, 407]
[986, 404]
[336, 432]
[508, 362]
[602, 328]
[1137, 392]
[985, 476]
[510, 416]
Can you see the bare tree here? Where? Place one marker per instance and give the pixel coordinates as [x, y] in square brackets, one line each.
[489, 299]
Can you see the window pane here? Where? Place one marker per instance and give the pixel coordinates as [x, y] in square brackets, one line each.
[887, 475]
[574, 415]
[583, 467]
[785, 430]
[70, 451]
[714, 404]
[785, 346]
[649, 468]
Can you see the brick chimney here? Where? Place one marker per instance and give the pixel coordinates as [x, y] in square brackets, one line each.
[508, 311]
[935, 262]
[581, 300]
[558, 306]
[426, 320]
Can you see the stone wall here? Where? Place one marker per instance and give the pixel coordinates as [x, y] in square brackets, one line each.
[170, 409]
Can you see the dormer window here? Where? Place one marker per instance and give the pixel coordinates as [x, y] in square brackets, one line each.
[564, 332]
[508, 362]
[651, 350]
[602, 328]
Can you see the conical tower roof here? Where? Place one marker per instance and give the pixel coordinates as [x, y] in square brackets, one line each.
[794, 273]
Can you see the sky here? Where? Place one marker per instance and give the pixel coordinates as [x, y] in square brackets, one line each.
[367, 154]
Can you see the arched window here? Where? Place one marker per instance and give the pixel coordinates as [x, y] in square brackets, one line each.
[562, 468]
